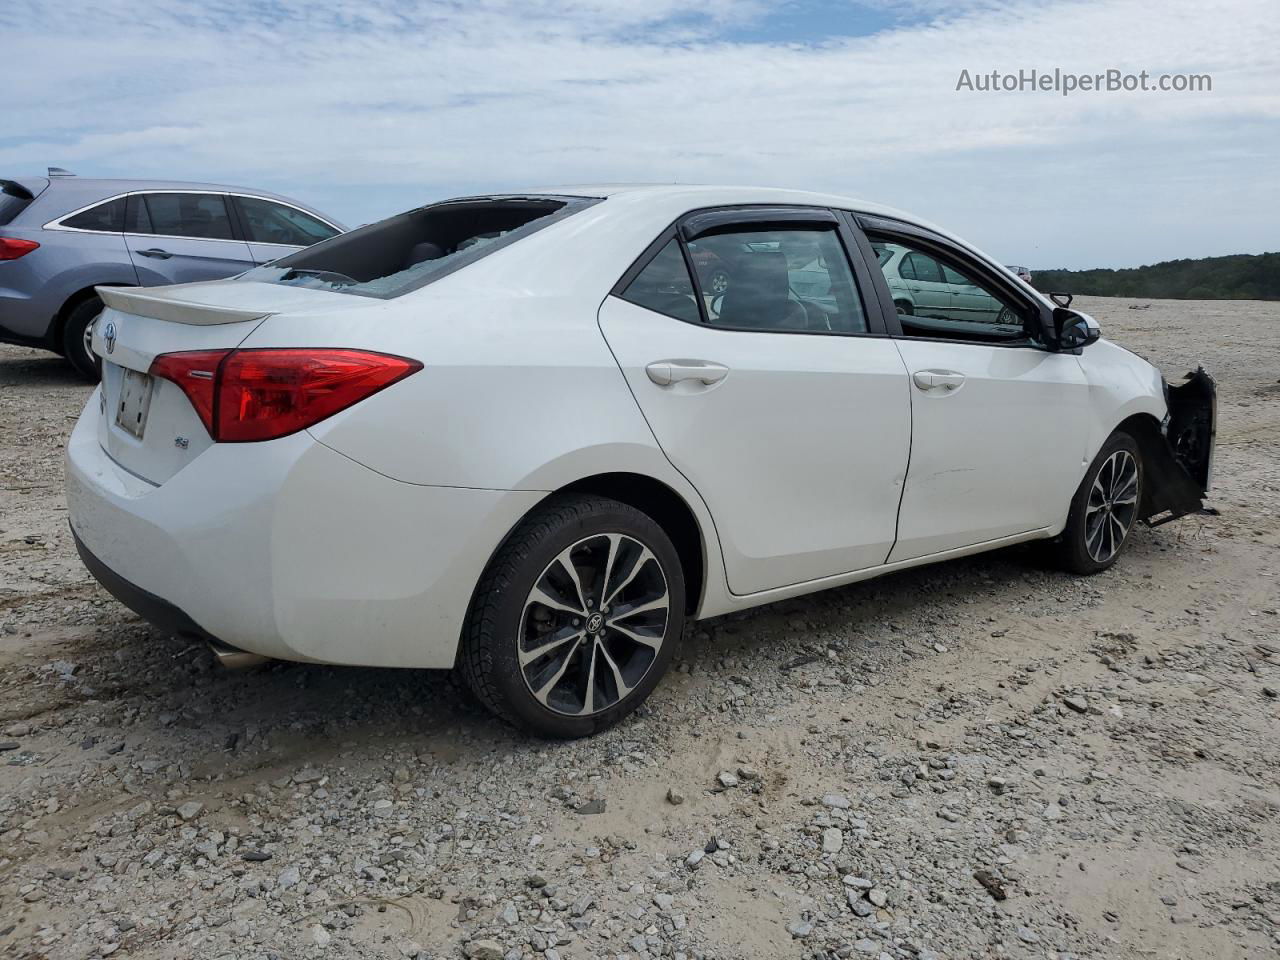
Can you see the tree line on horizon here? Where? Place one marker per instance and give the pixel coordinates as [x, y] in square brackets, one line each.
[1242, 276]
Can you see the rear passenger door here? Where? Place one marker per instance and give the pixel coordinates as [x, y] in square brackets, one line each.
[782, 401]
[274, 229]
[180, 237]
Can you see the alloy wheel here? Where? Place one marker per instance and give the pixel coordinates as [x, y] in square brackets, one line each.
[1112, 507]
[593, 624]
[88, 338]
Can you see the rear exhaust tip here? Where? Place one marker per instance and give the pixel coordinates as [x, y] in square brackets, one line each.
[233, 658]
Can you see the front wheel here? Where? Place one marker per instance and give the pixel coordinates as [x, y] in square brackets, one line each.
[77, 339]
[1104, 509]
[576, 619]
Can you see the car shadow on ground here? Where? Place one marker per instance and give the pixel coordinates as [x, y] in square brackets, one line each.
[20, 367]
[280, 716]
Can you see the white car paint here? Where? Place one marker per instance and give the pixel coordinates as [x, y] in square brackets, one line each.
[360, 539]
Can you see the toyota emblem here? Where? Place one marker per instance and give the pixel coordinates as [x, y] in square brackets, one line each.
[109, 336]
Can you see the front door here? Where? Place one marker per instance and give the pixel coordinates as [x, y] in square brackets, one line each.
[998, 438]
[778, 401]
[183, 237]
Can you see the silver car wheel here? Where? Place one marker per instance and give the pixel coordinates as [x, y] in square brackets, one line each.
[88, 338]
[719, 282]
[593, 624]
[1113, 504]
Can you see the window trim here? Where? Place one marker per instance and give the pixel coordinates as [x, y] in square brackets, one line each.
[945, 249]
[708, 220]
[238, 235]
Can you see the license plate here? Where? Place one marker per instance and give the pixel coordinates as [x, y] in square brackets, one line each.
[135, 401]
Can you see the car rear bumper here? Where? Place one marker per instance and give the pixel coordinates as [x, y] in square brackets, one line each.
[288, 549]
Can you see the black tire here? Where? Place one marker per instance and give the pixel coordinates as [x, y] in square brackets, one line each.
[503, 614]
[1076, 548]
[74, 348]
[904, 308]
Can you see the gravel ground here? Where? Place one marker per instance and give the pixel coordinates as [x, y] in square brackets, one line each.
[978, 759]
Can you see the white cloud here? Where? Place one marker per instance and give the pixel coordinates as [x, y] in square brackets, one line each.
[371, 106]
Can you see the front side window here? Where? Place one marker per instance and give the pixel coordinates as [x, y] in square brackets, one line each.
[104, 218]
[201, 216]
[268, 222]
[786, 279]
[944, 300]
[664, 286]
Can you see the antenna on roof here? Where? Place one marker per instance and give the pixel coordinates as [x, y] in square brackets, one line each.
[59, 172]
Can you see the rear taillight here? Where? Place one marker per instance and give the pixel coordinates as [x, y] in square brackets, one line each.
[11, 248]
[246, 395]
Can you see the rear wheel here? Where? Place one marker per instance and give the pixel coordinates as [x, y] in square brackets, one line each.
[1104, 509]
[77, 338]
[903, 308]
[576, 619]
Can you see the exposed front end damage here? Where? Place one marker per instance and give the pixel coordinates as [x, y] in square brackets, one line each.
[1179, 469]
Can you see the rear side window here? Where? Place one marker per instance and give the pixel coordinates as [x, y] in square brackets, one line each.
[917, 266]
[202, 216]
[785, 279]
[395, 256]
[14, 198]
[664, 286]
[104, 218]
[266, 221]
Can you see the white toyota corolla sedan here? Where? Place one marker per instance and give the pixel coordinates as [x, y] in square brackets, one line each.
[525, 435]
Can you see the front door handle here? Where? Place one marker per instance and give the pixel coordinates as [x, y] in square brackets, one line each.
[157, 253]
[666, 372]
[945, 381]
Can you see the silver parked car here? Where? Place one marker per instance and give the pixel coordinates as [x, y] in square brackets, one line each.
[62, 235]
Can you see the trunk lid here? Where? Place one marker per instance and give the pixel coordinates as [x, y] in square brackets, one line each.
[148, 426]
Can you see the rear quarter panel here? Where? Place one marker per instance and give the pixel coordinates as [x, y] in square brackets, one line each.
[35, 287]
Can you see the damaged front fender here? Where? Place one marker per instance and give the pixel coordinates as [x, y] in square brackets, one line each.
[1179, 463]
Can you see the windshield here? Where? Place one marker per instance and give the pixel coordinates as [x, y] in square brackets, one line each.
[390, 258]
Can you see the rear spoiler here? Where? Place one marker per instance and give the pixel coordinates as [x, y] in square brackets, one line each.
[165, 303]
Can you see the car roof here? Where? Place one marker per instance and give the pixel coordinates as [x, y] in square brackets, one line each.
[69, 192]
[677, 198]
[710, 195]
[108, 185]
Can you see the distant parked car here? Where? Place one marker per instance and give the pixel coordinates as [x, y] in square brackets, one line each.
[1022, 273]
[62, 235]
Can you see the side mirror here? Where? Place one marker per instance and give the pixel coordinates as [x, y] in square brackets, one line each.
[1074, 329]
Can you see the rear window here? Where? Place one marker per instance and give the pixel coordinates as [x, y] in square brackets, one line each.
[395, 256]
[14, 198]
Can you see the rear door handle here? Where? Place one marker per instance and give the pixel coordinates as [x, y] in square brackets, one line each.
[948, 380]
[666, 372]
[157, 253]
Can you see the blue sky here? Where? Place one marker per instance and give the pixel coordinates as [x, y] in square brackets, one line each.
[367, 107]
